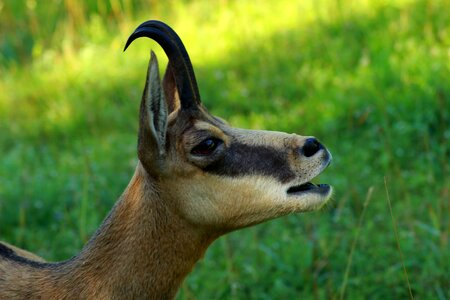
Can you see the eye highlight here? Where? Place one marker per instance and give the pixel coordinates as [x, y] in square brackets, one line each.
[206, 147]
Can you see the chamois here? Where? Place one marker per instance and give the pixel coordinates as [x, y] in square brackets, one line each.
[196, 179]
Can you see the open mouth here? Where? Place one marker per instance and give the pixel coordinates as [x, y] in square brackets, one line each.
[309, 188]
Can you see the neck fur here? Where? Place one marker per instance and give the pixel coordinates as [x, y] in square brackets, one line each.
[142, 248]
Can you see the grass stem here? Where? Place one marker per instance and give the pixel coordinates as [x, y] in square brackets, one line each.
[352, 250]
[394, 224]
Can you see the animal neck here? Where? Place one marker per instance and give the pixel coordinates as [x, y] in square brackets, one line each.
[143, 248]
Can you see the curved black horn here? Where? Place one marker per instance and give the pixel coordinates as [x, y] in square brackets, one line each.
[178, 56]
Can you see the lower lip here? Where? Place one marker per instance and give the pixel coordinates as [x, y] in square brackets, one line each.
[322, 189]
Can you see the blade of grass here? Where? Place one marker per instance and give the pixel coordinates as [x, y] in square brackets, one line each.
[394, 225]
[352, 250]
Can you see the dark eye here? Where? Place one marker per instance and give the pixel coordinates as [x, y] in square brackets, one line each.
[206, 147]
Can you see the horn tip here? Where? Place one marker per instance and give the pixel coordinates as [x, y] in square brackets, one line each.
[128, 43]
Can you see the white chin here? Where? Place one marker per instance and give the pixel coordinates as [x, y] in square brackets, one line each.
[310, 201]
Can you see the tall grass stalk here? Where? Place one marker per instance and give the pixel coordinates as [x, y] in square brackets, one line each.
[355, 240]
[394, 225]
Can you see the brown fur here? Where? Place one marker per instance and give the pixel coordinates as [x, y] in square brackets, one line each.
[175, 206]
[138, 253]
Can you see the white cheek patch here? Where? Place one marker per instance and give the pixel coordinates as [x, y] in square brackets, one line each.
[238, 202]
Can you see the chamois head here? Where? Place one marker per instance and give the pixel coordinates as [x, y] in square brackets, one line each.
[208, 172]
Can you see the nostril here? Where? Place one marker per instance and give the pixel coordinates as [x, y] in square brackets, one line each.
[311, 147]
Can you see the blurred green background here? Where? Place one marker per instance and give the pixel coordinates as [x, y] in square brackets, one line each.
[369, 78]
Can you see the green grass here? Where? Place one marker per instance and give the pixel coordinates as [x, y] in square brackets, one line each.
[370, 79]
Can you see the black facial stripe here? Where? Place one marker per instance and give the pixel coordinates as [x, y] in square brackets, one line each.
[241, 159]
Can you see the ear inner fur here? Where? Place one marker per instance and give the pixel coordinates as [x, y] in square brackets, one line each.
[153, 121]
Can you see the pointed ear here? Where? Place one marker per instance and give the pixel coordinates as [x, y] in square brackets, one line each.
[170, 89]
[153, 122]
